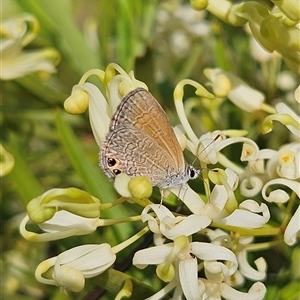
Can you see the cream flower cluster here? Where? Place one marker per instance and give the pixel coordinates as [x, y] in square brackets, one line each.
[203, 252]
[16, 62]
[275, 29]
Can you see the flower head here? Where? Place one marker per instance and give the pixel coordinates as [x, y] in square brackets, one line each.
[70, 268]
[16, 34]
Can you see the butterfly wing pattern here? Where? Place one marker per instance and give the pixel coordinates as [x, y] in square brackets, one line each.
[142, 142]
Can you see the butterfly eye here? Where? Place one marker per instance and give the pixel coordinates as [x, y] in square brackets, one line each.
[192, 172]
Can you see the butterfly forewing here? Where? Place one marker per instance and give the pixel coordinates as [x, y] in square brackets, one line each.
[141, 110]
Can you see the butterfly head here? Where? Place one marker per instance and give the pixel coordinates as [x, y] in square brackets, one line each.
[192, 172]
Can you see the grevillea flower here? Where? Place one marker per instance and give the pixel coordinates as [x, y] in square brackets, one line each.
[16, 62]
[193, 259]
[70, 268]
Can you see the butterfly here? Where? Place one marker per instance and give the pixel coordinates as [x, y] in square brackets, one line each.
[141, 142]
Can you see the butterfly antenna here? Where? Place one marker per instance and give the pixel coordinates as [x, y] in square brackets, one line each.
[216, 137]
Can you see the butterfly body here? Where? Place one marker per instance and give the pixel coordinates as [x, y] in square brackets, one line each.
[141, 142]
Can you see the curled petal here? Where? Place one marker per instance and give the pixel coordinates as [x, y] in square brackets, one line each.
[257, 166]
[251, 186]
[250, 149]
[284, 115]
[256, 292]
[237, 279]
[246, 216]
[282, 108]
[292, 229]
[248, 270]
[206, 251]
[160, 211]
[280, 196]
[170, 226]
[178, 100]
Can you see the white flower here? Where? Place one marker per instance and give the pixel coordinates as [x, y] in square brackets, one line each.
[73, 266]
[289, 161]
[286, 116]
[219, 237]
[240, 93]
[170, 226]
[17, 62]
[279, 195]
[79, 214]
[63, 224]
[180, 258]
[292, 229]
[256, 174]
[79, 202]
[259, 53]
[216, 291]
[247, 270]
[248, 215]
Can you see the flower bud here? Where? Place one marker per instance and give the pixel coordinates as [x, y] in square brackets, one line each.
[140, 187]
